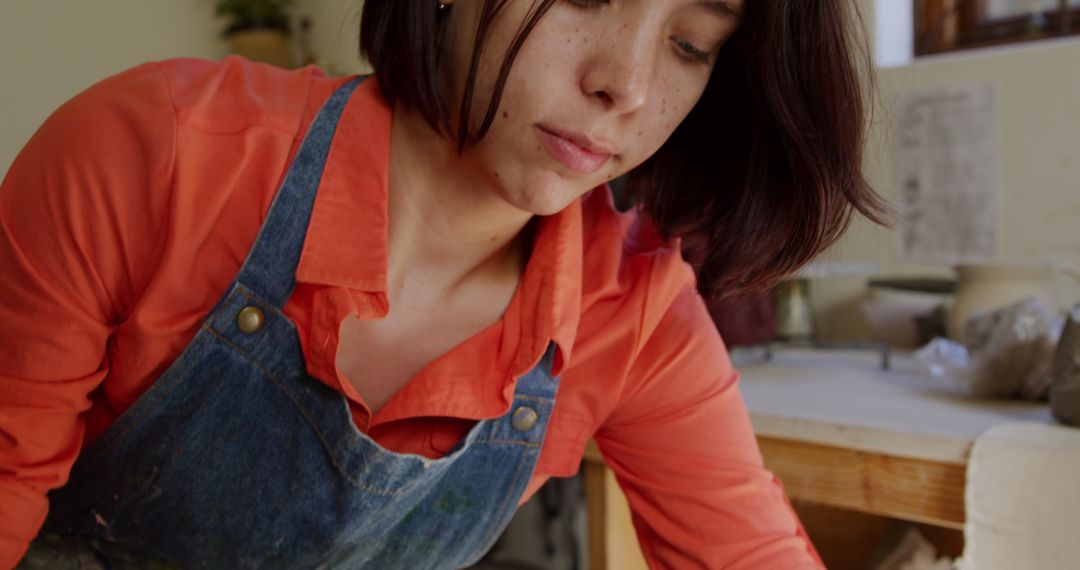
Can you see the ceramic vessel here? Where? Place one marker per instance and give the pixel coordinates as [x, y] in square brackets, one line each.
[794, 318]
[988, 286]
[893, 307]
[263, 45]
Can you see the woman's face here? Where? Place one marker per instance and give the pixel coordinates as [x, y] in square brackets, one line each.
[597, 88]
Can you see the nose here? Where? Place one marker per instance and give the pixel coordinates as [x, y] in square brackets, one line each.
[622, 69]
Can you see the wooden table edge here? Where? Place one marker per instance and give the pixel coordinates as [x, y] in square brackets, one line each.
[906, 488]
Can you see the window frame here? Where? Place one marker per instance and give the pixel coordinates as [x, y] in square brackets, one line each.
[943, 26]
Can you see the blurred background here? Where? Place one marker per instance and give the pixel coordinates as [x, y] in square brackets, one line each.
[50, 50]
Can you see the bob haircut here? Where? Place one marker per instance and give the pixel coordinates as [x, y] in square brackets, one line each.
[763, 174]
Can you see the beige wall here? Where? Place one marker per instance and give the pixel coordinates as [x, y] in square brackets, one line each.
[1039, 125]
[335, 28]
[52, 49]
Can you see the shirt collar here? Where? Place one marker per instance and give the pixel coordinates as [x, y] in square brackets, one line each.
[346, 240]
[551, 289]
[346, 243]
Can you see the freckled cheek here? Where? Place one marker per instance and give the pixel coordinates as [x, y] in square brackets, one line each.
[663, 119]
[655, 130]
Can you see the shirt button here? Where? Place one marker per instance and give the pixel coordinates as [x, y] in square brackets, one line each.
[250, 320]
[524, 418]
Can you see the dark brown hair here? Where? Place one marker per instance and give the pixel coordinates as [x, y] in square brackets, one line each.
[764, 173]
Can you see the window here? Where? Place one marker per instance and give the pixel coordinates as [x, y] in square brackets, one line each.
[951, 25]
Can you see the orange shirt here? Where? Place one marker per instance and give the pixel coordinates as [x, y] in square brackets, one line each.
[131, 209]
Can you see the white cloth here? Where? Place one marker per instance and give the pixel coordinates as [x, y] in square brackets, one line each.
[1023, 499]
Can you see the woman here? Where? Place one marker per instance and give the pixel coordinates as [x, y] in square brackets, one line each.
[258, 318]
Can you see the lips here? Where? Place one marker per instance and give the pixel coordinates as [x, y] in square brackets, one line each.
[574, 151]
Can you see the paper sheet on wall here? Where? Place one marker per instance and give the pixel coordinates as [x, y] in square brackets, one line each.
[946, 156]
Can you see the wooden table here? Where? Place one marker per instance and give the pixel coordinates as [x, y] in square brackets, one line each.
[838, 431]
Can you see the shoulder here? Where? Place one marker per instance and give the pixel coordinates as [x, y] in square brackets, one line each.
[130, 105]
[131, 124]
[640, 306]
[645, 338]
[146, 104]
[235, 94]
[86, 193]
[97, 147]
[108, 169]
[628, 264]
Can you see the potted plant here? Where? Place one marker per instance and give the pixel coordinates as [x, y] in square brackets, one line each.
[258, 29]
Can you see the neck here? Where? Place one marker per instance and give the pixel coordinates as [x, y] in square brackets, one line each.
[446, 221]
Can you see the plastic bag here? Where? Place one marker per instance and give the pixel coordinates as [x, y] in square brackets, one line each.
[1009, 353]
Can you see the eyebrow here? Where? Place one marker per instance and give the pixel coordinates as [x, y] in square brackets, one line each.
[725, 8]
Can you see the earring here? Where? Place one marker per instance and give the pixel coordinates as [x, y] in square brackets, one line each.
[443, 6]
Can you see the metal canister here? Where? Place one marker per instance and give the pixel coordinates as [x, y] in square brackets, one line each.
[794, 318]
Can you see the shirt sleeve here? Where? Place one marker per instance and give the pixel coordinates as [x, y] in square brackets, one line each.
[80, 209]
[682, 448]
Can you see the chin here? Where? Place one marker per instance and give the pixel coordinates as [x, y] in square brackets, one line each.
[548, 198]
[542, 206]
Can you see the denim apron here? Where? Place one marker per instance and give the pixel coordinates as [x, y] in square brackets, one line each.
[236, 458]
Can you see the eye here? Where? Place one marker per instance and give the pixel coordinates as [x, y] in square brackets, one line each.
[690, 51]
[586, 3]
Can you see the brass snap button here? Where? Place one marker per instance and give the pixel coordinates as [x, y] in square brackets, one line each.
[250, 320]
[524, 418]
